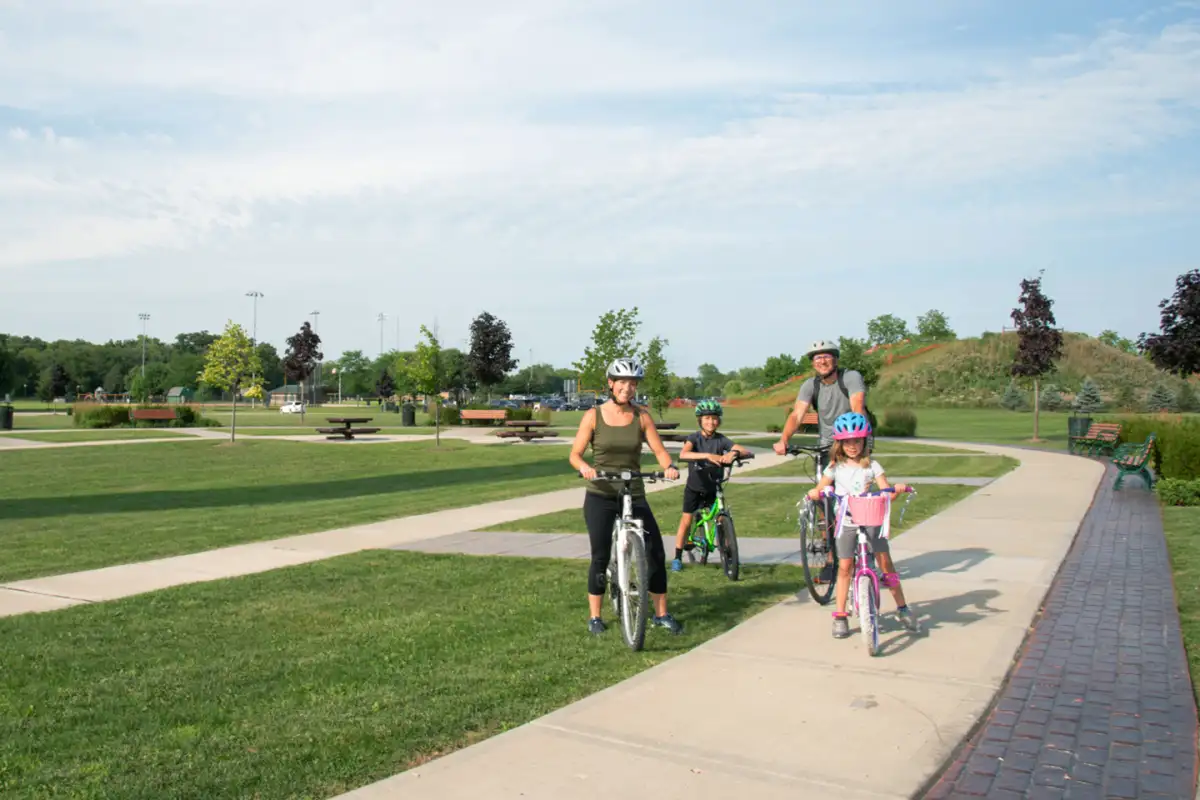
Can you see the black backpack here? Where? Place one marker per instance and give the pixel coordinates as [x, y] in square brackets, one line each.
[841, 381]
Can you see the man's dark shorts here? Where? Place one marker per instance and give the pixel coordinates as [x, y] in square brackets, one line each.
[694, 501]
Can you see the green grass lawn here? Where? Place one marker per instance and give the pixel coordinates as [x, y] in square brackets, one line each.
[882, 447]
[29, 422]
[98, 434]
[314, 680]
[1182, 529]
[982, 466]
[759, 509]
[81, 508]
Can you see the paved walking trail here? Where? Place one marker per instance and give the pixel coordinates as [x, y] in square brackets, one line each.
[976, 573]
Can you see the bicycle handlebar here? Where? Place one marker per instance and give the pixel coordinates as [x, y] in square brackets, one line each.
[629, 474]
[828, 491]
[798, 449]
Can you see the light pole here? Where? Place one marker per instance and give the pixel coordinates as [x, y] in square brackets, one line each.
[144, 318]
[381, 318]
[338, 372]
[316, 330]
[529, 374]
[254, 295]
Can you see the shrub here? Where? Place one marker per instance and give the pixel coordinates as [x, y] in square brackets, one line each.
[543, 415]
[522, 414]
[1176, 452]
[898, 422]
[1161, 399]
[1088, 400]
[1013, 398]
[449, 415]
[101, 416]
[1177, 492]
[1051, 398]
[1185, 398]
[773, 428]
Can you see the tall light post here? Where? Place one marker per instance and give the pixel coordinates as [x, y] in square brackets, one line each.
[254, 295]
[316, 330]
[144, 318]
[381, 318]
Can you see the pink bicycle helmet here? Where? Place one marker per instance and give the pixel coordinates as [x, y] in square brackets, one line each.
[851, 425]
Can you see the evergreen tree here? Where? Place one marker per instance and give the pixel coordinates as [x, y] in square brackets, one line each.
[1051, 399]
[1088, 400]
[1013, 398]
[1161, 399]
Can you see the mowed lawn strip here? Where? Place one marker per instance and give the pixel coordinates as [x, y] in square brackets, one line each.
[314, 680]
[63, 510]
[1182, 529]
[882, 447]
[99, 435]
[982, 466]
[759, 510]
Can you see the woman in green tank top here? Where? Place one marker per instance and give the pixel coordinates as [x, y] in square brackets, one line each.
[616, 431]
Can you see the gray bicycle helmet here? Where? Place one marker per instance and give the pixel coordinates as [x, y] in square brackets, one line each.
[822, 346]
[626, 368]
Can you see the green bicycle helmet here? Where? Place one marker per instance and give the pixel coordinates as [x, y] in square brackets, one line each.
[707, 408]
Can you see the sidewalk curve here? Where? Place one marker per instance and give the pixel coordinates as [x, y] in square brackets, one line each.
[791, 711]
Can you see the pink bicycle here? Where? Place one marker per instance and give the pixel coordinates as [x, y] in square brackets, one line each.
[868, 510]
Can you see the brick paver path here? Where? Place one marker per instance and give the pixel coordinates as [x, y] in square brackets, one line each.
[1100, 703]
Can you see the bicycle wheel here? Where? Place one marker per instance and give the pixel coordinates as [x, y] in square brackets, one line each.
[614, 587]
[727, 542]
[868, 613]
[635, 602]
[814, 552]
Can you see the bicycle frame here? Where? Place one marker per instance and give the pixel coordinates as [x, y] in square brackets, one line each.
[707, 519]
[627, 525]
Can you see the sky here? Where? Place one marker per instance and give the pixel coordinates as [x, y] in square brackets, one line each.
[750, 175]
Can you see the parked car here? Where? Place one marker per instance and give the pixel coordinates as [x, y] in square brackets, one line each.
[294, 407]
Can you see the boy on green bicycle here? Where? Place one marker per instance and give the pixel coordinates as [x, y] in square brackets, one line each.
[709, 453]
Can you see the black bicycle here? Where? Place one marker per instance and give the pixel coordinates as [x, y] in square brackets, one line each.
[816, 531]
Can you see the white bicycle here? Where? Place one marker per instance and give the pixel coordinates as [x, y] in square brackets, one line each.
[628, 569]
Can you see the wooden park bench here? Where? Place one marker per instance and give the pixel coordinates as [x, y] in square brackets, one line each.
[1133, 459]
[493, 414]
[347, 431]
[527, 432]
[151, 414]
[667, 432]
[1100, 436]
[808, 423]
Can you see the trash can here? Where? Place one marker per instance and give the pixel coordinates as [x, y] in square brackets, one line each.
[6, 417]
[408, 417]
[1076, 427]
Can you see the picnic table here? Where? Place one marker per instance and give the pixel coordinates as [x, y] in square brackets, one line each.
[347, 429]
[526, 432]
[666, 432]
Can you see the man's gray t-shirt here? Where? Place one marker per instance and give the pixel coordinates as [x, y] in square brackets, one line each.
[831, 403]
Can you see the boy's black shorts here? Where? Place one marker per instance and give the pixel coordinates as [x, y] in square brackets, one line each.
[695, 500]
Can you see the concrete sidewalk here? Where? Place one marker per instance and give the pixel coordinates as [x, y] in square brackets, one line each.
[109, 583]
[793, 712]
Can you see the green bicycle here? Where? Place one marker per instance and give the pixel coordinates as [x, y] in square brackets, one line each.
[712, 528]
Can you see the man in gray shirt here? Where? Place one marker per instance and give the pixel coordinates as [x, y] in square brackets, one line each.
[832, 400]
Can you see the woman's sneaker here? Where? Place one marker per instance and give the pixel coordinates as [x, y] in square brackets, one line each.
[596, 626]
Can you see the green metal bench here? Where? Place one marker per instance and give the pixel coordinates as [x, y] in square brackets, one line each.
[1100, 436]
[1132, 459]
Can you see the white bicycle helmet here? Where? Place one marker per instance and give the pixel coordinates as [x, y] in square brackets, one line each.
[822, 346]
[626, 368]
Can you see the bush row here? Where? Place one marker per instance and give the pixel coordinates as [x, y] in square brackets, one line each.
[1176, 453]
[100, 415]
[1178, 492]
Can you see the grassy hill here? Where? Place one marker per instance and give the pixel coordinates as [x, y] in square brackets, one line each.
[973, 373]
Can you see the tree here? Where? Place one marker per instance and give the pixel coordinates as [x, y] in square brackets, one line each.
[934, 326]
[710, 381]
[1114, 339]
[490, 357]
[657, 383]
[301, 357]
[1013, 398]
[1161, 398]
[1039, 343]
[684, 387]
[1176, 348]
[1185, 398]
[780, 368]
[426, 370]
[54, 383]
[194, 343]
[231, 363]
[355, 369]
[457, 377]
[887, 329]
[1051, 399]
[1087, 399]
[614, 336]
[272, 364]
[385, 386]
[852, 354]
[733, 387]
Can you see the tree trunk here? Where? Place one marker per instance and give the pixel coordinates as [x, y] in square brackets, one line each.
[303, 402]
[437, 425]
[233, 426]
[1037, 400]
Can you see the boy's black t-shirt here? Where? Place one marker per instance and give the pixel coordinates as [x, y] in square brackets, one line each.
[702, 475]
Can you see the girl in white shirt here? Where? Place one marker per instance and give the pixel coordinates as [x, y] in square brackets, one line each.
[851, 470]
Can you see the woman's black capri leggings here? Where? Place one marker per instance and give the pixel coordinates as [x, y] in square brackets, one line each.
[599, 513]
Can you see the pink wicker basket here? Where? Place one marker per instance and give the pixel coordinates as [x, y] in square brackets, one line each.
[868, 511]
